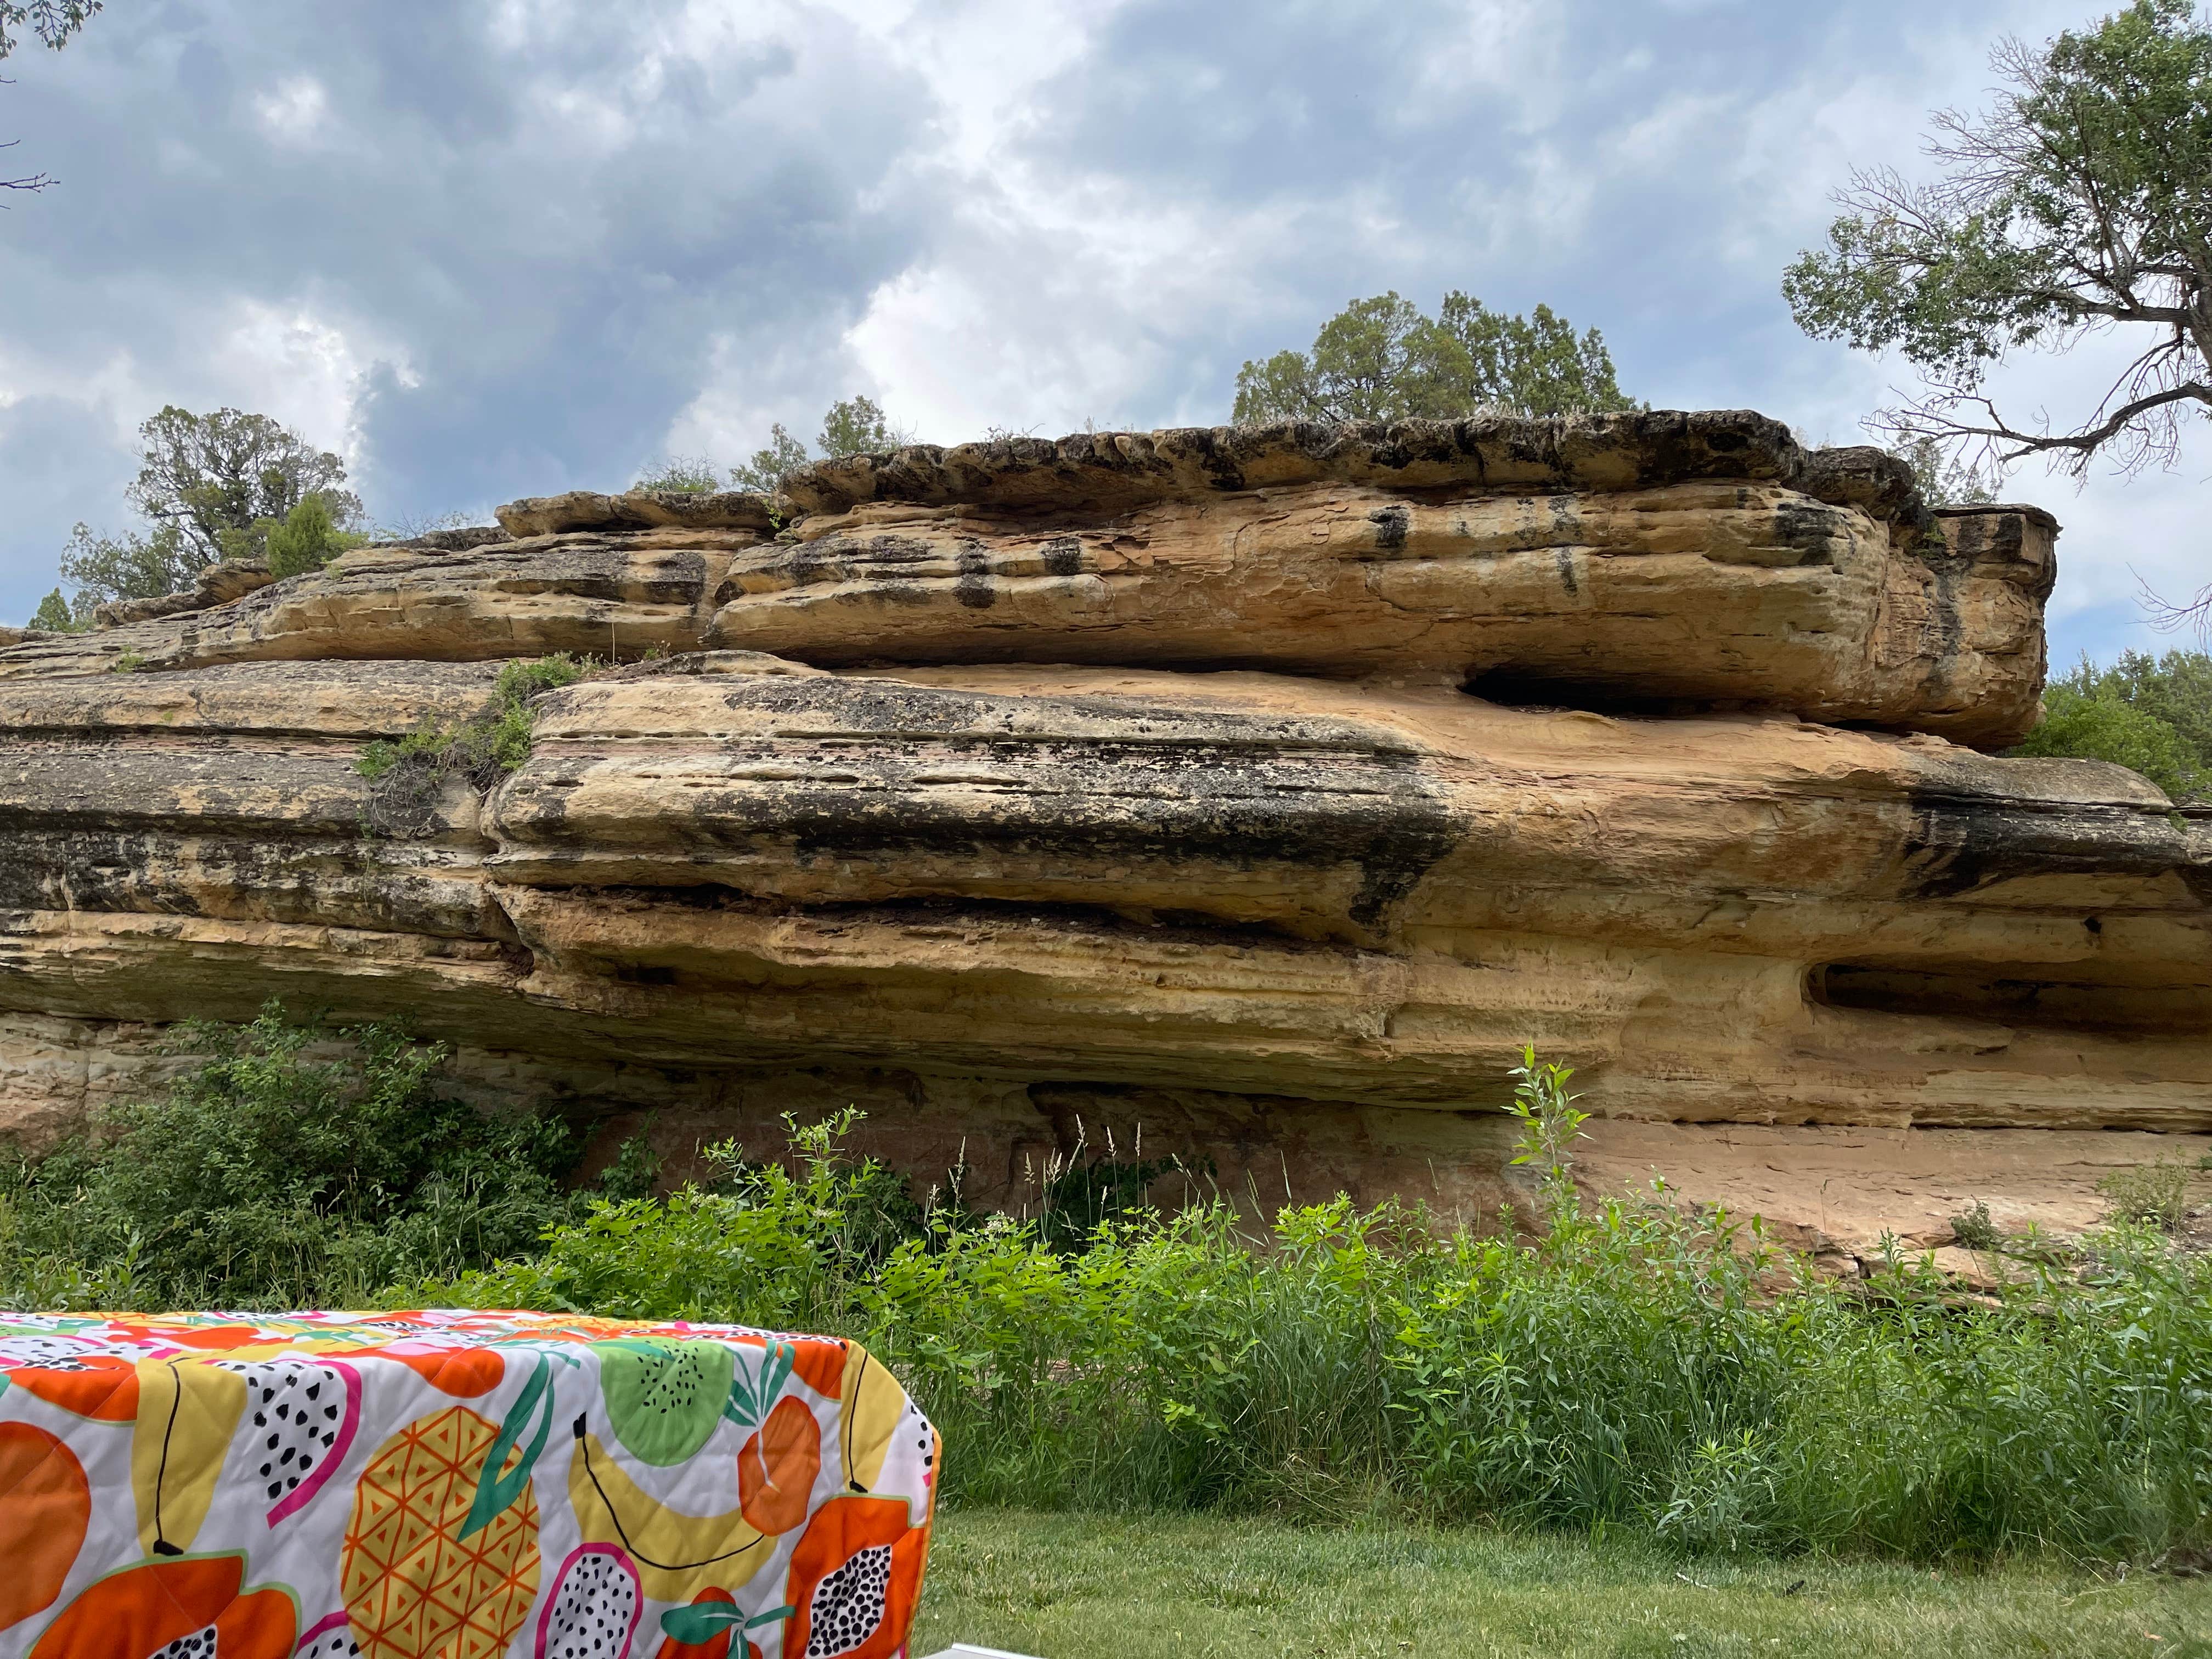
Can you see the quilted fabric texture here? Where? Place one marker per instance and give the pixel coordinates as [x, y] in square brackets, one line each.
[446, 1485]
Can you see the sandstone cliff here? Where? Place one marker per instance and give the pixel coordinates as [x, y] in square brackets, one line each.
[1267, 789]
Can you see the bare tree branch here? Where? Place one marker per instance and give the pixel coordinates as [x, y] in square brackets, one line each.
[35, 181]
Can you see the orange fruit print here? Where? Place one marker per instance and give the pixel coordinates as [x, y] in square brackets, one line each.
[413, 1588]
[778, 1466]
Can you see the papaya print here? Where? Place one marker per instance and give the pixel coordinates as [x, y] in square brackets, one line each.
[452, 1484]
[854, 1580]
[167, 1608]
[45, 1505]
[102, 1387]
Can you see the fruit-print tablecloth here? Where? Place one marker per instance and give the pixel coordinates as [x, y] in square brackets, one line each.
[453, 1486]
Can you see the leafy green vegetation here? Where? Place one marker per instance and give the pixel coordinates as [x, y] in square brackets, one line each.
[681, 475]
[1383, 360]
[2075, 204]
[305, 538]
[1944, 479]
[289, 1167]
[852, 425]
[1247, 1587]
[225, 486]
[2155, 1194]
[54, 615]
[2152, 714]
[406, 773]
[1635, 1368]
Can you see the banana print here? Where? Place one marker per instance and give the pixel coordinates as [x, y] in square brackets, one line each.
[188, 1412]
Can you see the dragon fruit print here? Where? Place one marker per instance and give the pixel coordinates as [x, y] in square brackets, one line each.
[332, 1638]
[303, 1414]
[42, 1349]
[595, 1607]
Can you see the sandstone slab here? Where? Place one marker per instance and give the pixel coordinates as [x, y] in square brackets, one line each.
[1259, 793]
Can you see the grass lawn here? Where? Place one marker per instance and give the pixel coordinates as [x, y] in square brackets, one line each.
[1071, 1586]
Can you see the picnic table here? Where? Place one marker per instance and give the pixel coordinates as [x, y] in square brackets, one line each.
[453, 1485]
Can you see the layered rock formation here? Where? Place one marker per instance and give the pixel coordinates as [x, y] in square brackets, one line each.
[1268, 790]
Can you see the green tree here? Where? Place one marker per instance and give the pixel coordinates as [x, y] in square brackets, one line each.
[2153, 715]
[53, 21]
[224, 479]
[215, 487]
[136, 565]
[54, 616]
[2176, 687]
[1945, 480]
[1382, 359]
[765, 470]
[2082, 202]
[305, 538]
[853, 426]
[856, 425]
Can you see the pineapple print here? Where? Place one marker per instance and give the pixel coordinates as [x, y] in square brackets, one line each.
[414, 1588]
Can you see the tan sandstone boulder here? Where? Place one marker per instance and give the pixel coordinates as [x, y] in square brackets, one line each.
[1261, 791]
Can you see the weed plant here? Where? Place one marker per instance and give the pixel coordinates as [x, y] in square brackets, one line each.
[1637, 1366]
[267, 1177]
[2153, 1194]
[406, 775]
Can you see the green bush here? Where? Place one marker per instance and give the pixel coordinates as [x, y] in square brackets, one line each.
[406, 773]
[1636, 1367]
[2153, 715]
[681, 475]
[305, 538]
[2153, 1194]
[265, 1177]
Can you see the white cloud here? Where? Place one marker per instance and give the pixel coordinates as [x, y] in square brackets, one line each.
[581, 233]
[303, 369]
[295, 111]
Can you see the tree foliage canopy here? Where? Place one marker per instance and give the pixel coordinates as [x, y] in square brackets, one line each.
[224, 479]
[2151, 714]
[1382, 359]
[228, 486]
[52, 21]
[136, 565]
[2082, 202]
[852, 425]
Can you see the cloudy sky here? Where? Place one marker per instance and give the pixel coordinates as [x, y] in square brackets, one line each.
[491, 248]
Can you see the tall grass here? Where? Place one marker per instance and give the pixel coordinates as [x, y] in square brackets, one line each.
[277, 1173]
[1637, 1366]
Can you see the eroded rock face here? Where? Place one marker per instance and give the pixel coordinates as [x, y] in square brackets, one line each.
[1263, 791]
